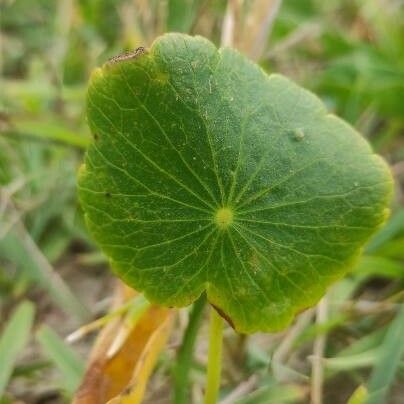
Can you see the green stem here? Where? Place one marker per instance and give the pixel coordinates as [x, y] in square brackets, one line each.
[214, 357]
[185, 357]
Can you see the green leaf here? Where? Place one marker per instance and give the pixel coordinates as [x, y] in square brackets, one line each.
[13, 340]
[207, 174]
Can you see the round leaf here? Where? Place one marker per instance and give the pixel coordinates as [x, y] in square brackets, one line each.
[206, 174]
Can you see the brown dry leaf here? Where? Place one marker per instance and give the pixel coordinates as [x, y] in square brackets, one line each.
[134, 392]
[107, 377]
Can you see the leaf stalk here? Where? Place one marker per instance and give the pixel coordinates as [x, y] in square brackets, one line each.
[214, 357]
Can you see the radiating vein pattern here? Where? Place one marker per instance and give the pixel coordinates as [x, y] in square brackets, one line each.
[206, 174]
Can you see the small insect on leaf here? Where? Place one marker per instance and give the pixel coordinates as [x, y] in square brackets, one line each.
[128, 55]
[226, 180]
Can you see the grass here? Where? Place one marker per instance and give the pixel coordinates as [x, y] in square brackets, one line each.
[13, 340]
[70, 366]
[350, 52]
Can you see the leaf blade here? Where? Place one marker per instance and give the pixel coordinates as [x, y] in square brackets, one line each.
[207, 174]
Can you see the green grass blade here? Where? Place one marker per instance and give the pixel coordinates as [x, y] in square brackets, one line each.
[393, 227]
[378, 266]
[271, 393]
[185, 358]
[70, 366]
[22, 251]
[391, 351]
[13, 339]
[370, 341]
[356, 361]
[55, 132]
[181, 16]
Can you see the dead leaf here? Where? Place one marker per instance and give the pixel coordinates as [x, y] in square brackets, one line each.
[134, 392]
[108, 377]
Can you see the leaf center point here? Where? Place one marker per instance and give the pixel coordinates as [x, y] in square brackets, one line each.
[224, 218]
